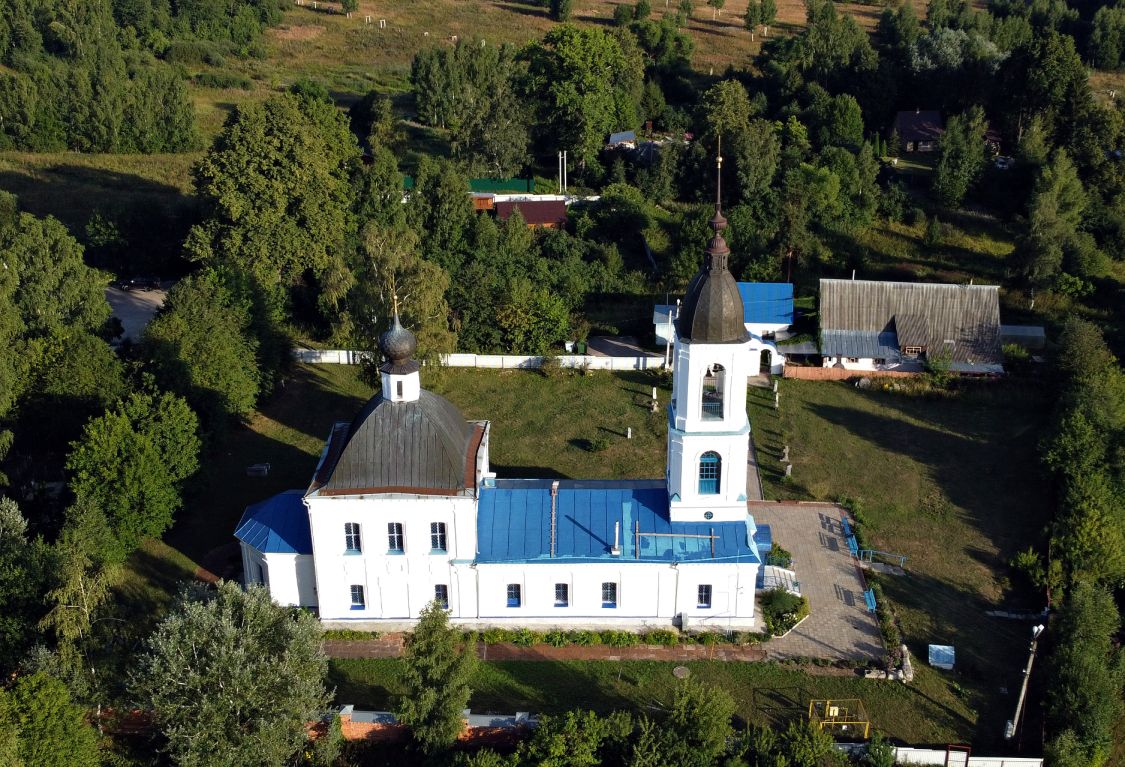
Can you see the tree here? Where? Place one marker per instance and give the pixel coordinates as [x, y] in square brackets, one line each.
[131, 463]
[379, 191]
[560, 9]
[393, 269]
[201, 347]
[961, 157]
[1107, 42]
[232, 678]
[716, 7]
[833, 47]
[276, 194]
[440, 209]
[699, 724]
[1054, 214]
[491, 133]
[767, 14]
[642, 10]
[1086, 675]
[572, 739]
[349, 6]
[50, 731]
[725, 108]
[586, 85]
[437, 667]
[24, 566]
[622, 15]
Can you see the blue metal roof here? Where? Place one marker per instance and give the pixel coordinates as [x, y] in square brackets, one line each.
[859, 343]
[278, 525]
[767, 302]
[514, 524]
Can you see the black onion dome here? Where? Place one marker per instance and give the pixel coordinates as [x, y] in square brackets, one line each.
[712, 311]
[398, 346]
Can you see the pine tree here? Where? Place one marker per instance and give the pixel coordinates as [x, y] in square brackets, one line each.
[436, 673]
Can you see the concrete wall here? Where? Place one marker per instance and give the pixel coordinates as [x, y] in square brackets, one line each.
[497, 361]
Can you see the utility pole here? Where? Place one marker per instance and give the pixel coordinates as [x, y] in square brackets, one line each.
[1014, 723]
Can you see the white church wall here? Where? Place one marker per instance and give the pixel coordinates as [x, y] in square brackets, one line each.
[290, 578]
[396, 585]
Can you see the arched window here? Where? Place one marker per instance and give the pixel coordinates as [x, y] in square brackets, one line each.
[710, 472]
[714, 389]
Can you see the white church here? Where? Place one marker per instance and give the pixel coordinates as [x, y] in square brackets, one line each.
[403, 510]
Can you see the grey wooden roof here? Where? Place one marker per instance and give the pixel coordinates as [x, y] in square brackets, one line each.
[410, 447]
[962, 319]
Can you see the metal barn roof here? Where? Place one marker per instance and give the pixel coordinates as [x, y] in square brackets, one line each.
[767, 303]
[277, 525]
[963, 319]
[859, 343]
[514, 524]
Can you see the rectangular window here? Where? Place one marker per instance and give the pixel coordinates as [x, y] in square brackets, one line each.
[513, 595]
[437, 536]
[609, 594]
[912, 351]
[398, 388]
[704, 599]
[441, 595]
[351, 538]
[853, 360]
[562, 595]
[358, 602]
[394, 536]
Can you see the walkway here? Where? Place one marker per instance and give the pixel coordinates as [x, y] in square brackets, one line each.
[135, 309]
[753, 480]
[839, 626]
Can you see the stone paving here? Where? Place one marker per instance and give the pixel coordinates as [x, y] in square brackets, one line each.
[839, 627]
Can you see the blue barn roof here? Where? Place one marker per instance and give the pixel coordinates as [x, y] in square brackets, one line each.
[767, 303]
[514, 524]
[277, 525]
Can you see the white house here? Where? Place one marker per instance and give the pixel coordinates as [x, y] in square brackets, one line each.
[869, 325]
[767, 316]
[403, 509]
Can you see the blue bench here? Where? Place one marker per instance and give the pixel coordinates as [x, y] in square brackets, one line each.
[853, 546]
[869, 598]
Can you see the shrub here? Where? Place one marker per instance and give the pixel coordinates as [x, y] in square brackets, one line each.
[782, 611]
[778, 556]
[615, 638]
[665, 637]
[622, 15]
[915, 216]
[496, 636]
[556, 638]
[552, 368]
[598, 442]
[583, 638]
[222, 80]
[525, 637]
[349, 634]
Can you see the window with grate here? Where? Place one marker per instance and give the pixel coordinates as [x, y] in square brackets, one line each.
[704, 598]
[358, 602]
[395, 540]
[351, 538]
[710, 471]
[562, 595]
[609, 594]
[441, 595]
[437, 536]
[513, 595]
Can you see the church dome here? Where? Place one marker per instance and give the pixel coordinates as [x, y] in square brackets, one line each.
[712, 310]
[425, 446]
[398, 345]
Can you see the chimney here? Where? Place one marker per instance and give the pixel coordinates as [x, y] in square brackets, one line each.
[616, 550]
[554, 514]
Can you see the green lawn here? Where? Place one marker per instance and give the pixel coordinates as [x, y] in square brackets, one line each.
[953, 483]
[925, 712]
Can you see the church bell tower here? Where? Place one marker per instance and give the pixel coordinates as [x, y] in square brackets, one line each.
[708, 429]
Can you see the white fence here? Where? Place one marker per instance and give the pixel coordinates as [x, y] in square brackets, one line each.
[495, 361]
[950, 758]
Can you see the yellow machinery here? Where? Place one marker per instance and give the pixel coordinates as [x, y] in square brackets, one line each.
[843, 718]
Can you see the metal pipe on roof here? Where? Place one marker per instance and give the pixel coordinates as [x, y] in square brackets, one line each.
[554, 514]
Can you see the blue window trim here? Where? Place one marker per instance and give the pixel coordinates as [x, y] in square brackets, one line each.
[517, 599]
[362, 605]
[607, 603]
[565, 601]
[710, 473]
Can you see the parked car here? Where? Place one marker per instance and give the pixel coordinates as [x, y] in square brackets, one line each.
[138, 283]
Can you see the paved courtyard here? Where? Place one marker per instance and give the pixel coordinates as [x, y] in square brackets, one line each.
[839, 625]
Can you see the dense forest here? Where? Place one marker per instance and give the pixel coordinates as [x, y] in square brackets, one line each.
[103, 75]
[305, 230]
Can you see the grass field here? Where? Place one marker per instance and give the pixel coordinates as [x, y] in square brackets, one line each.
[953, 483]
[926, 712]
